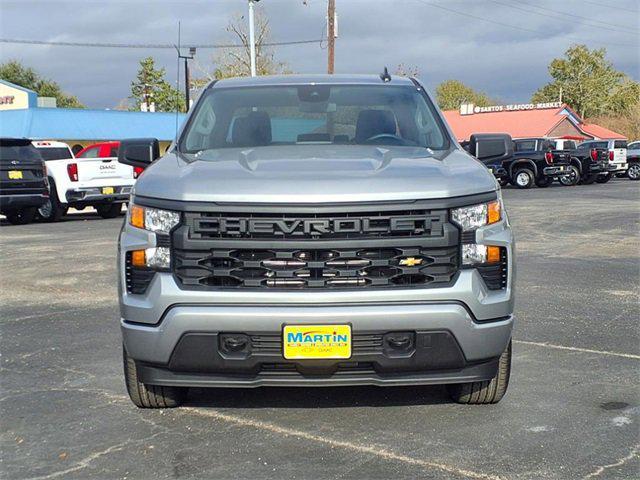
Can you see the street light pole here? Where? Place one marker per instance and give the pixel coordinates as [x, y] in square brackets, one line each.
[252, 39]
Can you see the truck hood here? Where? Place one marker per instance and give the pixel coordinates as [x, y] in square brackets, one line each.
[314, 174]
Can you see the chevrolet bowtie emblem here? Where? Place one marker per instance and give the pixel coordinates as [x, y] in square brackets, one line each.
[410, 262]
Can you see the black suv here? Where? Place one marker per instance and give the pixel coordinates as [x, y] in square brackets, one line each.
[23, 180]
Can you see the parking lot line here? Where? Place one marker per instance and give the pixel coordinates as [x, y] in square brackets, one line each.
[598, 471]
[578, 349]
[379, 452]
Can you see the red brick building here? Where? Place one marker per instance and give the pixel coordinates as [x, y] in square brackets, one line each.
[553, 120]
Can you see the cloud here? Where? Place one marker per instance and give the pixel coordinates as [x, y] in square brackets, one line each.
[505, 55]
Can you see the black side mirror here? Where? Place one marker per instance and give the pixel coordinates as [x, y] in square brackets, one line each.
[139, 152]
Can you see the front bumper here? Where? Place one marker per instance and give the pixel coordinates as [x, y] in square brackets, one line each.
[447, 345]
[96, 195]
[11, 202]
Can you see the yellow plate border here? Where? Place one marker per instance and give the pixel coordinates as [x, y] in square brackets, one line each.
[315, 324]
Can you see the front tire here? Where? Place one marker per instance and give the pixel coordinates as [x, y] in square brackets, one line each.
[604, 178]
[488, 391]
[149, 396]
[22, 216]
[634, 171]
[110, 210]
[523, 178]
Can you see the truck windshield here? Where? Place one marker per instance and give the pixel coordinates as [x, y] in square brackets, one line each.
[314, 114]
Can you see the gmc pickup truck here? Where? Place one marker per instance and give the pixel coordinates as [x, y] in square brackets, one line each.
[314, 231]
[102, 183]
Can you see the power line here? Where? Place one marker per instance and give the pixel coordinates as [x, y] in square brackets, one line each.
[571, 15]
[555, 17]
[604, 5]
[515, 27]
[148, 45]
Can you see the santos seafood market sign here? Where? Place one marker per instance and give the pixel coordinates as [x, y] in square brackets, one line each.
[470, 108]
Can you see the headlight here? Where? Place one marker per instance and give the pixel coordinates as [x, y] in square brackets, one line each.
[153, 219]
[475, 216]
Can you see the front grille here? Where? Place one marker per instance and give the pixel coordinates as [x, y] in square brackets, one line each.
[315, 268]
[361, 343]
[382, 248]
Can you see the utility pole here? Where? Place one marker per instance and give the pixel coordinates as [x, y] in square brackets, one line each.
[252, 38]
[331, 35]
[192, 54]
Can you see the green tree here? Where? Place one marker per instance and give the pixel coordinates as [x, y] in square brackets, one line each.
[151, 87]
[588, 82]
[450, 94]
[13, 71]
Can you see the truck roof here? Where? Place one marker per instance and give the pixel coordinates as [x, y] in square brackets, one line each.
[340, 79]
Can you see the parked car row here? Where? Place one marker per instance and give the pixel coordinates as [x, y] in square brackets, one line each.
[43, 179]
[524, 162]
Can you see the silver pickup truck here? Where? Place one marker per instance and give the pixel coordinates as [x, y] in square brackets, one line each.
[314, 231]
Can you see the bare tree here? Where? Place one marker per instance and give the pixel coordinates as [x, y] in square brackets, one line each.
[236, 62]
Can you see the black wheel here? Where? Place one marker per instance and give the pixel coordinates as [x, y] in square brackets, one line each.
[604, 178]
[22, 216]
[149, 396]
[523, 178]
[52, 210]
[110, 210]
[589, 179]
[634, 171]
[544, 182]
[503, 181]
[572, 178]
[488, 391]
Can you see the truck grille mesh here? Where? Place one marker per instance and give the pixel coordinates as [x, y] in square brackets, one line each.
[394, 248]
[315, 268]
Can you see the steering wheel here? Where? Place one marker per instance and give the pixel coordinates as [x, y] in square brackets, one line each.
[384, 138]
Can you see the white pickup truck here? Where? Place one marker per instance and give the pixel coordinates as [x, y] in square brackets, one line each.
[102, 183]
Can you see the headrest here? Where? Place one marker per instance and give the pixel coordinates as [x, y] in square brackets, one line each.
[252, 130]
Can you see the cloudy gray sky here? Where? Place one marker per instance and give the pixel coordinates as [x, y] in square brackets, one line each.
[502, 47]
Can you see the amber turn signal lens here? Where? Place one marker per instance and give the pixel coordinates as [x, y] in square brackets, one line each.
[137, 216]
[138, 258]
[493, 212]
[493, 254]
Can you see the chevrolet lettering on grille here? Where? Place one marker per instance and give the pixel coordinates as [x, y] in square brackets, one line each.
[238, 227]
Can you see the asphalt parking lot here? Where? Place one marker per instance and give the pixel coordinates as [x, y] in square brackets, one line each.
[572, 409]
